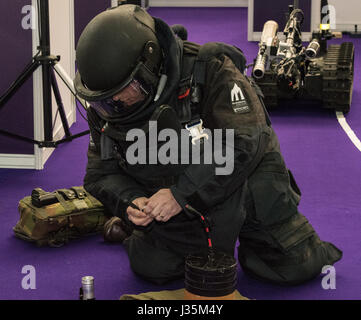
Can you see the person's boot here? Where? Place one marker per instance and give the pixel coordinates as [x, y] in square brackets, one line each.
[115, 230]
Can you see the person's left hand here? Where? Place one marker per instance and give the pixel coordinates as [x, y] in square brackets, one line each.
[138, 217]
[162, 206]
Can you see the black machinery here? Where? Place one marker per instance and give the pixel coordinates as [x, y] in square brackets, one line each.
[287, 70]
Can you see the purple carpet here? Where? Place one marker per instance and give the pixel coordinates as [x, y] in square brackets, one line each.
[324, 161]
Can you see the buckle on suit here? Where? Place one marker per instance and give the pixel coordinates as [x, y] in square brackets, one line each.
[196, 130]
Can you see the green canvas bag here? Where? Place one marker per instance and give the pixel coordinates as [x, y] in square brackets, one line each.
[70, 214]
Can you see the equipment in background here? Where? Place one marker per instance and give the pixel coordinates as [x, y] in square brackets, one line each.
[353, 34]
[49, 66]
[54, 218]
[287, 70]
[86, 291]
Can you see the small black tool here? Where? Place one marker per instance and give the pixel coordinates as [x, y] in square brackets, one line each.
[142, 228]
[131, 204]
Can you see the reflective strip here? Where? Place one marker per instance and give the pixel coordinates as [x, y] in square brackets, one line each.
[350, 133]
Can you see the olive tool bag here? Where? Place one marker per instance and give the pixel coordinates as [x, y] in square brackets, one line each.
[54, 218]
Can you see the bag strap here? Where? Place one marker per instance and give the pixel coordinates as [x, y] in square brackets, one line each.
[67, 193]
[68, 206]
[80, 192]
[186, 109]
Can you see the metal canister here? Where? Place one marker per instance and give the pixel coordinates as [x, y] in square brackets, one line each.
[87, 288]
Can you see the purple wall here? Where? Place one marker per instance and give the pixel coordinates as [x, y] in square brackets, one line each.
[275, 10]
[85, 10]
[16, 52]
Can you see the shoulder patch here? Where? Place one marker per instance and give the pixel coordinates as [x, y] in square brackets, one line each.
[238, 99]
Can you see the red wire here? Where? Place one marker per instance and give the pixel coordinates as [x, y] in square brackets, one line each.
[204, 222]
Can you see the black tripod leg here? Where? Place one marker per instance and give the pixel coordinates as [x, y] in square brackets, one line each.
[15, 86]
[18, 137]
[60, 104]
[47, 61]
[83, 103]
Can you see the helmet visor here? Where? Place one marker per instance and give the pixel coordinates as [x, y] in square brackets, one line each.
[140, 72]
[121, 104]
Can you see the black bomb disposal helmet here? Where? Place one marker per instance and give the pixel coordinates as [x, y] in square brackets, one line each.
[117, 47]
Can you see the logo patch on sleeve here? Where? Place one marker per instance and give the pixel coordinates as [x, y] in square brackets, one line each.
[238, 100]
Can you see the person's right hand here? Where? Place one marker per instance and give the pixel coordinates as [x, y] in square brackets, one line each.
[139, 217]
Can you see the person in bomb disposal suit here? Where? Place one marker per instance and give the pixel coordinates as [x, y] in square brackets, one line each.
[135, 71]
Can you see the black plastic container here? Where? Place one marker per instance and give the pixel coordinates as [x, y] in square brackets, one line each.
[210, 275]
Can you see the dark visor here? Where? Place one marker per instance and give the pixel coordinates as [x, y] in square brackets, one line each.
[111, 108]
[95, 95]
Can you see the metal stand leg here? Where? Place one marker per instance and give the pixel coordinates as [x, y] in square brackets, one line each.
[60, 104]
[69, 83]
[25, 75]
[48, 63]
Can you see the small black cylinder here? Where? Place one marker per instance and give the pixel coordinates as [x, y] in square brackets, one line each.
[210, 275]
